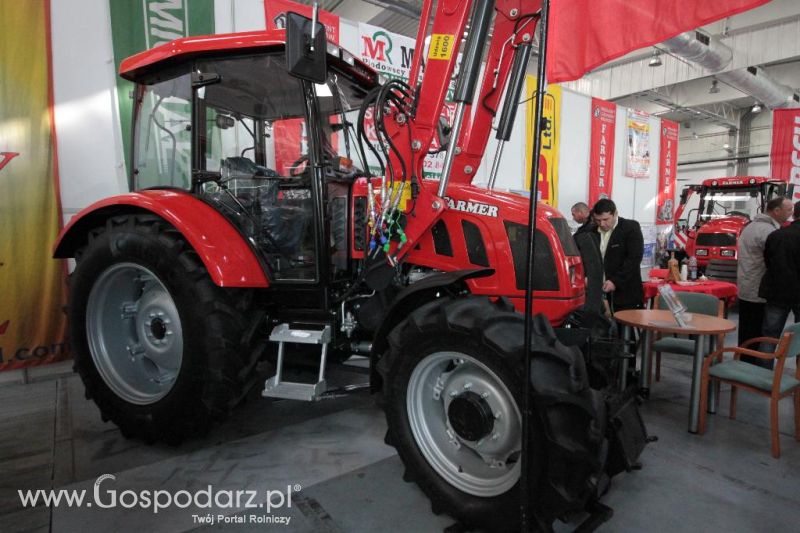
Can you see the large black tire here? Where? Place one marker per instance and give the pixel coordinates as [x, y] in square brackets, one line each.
[193, 354]
[567, 444]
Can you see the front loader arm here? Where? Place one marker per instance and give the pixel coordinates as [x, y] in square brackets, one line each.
[411, 128]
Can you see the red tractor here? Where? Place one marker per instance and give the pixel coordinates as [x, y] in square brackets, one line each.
[711, 216]
[251, 236]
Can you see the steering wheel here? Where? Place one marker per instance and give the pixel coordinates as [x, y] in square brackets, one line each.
[299, 167]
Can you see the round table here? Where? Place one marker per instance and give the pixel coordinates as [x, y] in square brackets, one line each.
[720, 289]
[659, 320]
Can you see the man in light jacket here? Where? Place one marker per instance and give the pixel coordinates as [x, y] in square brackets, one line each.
[751, 267]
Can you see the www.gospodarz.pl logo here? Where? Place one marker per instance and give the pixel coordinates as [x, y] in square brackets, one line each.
[105, 496]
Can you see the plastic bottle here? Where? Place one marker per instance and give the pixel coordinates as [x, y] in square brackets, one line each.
[693, 268]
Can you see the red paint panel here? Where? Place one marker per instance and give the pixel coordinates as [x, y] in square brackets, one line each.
[226, 255]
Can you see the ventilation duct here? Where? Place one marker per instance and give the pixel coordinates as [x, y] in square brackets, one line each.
[712, 55]
[755, 82]
[701, 49]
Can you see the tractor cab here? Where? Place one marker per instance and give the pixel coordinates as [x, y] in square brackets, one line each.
[715, 212]
[267, 149]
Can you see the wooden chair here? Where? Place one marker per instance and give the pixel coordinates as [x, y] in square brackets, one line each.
[703, 304]
[772, 383]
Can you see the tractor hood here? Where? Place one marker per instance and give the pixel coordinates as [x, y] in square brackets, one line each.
[733, 224]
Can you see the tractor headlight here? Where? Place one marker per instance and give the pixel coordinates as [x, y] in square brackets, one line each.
[701, 252]
[728, 253]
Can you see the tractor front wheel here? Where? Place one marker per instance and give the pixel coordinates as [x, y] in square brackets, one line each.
[452, 393]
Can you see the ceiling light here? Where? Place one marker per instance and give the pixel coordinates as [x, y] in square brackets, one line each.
[726, 146]
[714, 89]
[655, 61]
[695, 136]
[756, 108]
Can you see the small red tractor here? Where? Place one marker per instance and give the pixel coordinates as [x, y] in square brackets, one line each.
[250, 236]
[710, 217]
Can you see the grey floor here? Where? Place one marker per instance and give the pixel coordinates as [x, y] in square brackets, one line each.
[344, 478]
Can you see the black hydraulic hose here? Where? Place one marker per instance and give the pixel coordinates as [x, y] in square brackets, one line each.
[525, 480]
[509, 113]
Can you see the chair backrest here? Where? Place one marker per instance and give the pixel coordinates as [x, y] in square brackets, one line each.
[794, 344]
[695, 302]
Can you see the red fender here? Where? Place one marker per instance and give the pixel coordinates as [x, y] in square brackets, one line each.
[226, 255]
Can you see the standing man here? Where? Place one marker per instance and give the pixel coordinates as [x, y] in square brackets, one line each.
[583, 216]
[751, 267]
[780, 286]
[622, 246]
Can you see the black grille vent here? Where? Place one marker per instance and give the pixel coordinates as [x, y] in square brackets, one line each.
[545, 276]
[441, 239]
[360, 223]
[716, 239]
[475, 247]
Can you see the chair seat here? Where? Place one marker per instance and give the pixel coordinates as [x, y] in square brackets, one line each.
[755, 376]
[674, 345]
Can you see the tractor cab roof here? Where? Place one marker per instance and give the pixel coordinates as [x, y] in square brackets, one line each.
[142, 66]
[736, 181]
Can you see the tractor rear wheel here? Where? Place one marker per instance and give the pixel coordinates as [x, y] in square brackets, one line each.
[452, 393]
[155, 341]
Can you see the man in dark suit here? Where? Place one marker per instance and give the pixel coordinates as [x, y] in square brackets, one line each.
[622, 246]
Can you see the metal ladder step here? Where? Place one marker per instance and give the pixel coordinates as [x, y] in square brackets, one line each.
[288, 390]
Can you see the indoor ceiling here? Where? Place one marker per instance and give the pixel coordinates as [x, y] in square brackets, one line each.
[684, 98]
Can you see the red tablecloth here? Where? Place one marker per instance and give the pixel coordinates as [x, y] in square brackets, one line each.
[720, 289]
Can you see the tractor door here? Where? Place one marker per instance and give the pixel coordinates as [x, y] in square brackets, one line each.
[254, 159]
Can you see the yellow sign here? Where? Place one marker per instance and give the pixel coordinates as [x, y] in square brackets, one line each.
[442, 45]
[32, 292]
[551, 131]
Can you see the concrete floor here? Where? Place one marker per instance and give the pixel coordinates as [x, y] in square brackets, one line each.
[349, 480]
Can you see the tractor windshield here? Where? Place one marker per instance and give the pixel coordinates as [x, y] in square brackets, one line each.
[740, 201]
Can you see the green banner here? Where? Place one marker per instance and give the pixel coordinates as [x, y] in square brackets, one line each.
[138, 25]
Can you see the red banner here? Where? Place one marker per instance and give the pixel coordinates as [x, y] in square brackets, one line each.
[667, 172]
[584, 34]
[601, 157]
[785, 155]
[276, 10]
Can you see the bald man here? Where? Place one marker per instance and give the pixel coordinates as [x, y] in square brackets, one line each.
[583, 216]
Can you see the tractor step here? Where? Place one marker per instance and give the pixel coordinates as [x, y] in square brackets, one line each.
[288, 390]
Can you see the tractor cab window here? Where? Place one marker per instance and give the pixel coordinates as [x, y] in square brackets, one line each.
[253, 158]
[163, 135]
[740, 201]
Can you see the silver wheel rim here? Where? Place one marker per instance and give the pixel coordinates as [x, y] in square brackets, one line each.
[487, 467]
[134, 333]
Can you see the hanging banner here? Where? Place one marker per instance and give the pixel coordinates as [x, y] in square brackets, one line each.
[637, 163]
[548, 158]
[785, 154]
[388, 53]
[275, 11]
[601, 155]
[667, 172]
[32, 292]
[138, 26]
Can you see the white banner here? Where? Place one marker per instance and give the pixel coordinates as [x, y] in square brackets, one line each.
[638, 150]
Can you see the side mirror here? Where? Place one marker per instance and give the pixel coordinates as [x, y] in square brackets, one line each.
[224, 122]
[303, 60]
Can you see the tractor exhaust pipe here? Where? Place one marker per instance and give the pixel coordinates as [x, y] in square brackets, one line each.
[465, 89]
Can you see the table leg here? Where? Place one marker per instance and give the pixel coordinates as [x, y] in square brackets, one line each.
[644, 389]
[712, 390]
[627, 332]
[697, 367]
